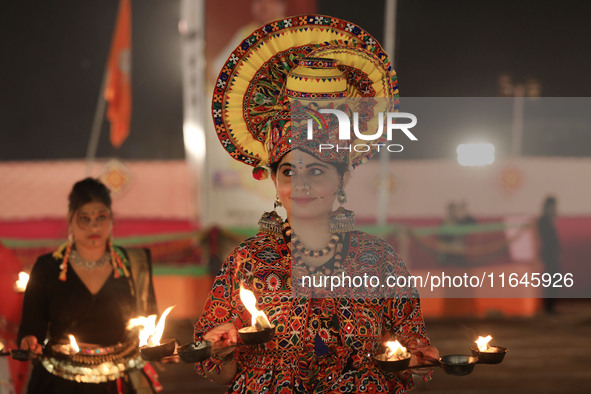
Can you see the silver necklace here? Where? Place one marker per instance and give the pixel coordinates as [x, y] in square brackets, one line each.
[75, 258]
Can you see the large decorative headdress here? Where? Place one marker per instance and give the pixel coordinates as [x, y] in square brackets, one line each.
[302, 57]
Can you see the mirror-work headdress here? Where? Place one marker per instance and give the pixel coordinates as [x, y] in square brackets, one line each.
[310, 57]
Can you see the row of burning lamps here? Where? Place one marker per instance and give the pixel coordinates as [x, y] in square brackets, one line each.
[395, 358]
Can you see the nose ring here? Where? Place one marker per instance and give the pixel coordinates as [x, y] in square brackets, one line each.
[307, 188]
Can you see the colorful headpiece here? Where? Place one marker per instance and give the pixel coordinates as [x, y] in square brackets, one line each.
[302, 57]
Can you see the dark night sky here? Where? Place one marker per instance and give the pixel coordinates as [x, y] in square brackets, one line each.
[52, 68]
[53, 55]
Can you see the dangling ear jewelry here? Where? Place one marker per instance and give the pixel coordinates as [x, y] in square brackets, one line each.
[270, 222]
[341, 196]
[64, 264]
[117, 261]
[116, 272]
[341, 220]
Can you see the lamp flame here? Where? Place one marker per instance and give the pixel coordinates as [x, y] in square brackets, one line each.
[394, 350]
[258, 318]
[73, 343]
[21, 283]
[150, 332]
[482, 343]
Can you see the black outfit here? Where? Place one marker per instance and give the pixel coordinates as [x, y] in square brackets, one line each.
[550, 256]
[53, 309]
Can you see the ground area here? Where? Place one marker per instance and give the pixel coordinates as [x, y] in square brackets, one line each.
[547, 354]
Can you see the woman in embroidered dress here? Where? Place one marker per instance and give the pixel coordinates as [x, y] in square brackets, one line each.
[86, 289]
[324, 341]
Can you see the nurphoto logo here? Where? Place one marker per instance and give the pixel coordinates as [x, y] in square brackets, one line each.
[345, 131]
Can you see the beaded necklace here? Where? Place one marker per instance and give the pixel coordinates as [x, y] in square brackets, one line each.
[298, 250]
[299, 246]
[75, 258]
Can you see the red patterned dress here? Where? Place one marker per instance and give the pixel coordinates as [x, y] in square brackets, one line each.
[321, 345]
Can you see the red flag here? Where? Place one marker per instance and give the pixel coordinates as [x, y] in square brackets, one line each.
[118, 87]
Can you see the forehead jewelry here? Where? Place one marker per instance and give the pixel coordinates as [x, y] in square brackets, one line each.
[300, 163]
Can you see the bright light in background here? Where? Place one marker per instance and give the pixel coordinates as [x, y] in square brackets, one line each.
[21, 283]
[194, 141]
[476, 154]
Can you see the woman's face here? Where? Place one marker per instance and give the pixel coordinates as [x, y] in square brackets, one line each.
[91, 225]
[306, 186]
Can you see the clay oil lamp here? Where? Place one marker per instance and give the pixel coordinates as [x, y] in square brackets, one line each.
[395, 358]
[458, 364]
[195, 352]
[150, 334]
[16, 354]
[488, 354]
[73, 346]
[20, 354]
[260, 330]
[64, 350]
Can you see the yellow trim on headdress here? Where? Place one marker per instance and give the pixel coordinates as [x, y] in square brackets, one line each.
[249, 89]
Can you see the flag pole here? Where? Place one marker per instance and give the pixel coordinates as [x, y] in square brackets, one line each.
[117, 75]
[97, 125]
[192, 29]
[384, 172]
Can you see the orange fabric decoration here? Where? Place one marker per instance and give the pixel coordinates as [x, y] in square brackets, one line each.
[118, 84]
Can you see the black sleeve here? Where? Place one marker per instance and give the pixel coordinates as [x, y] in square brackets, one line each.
[35, 318]
[548, 236]
[152, 306]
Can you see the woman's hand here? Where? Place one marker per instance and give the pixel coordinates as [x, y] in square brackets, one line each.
[422, 354]
[30, 343]
[222, 336]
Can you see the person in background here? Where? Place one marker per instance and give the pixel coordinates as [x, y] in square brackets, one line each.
[463, 215]
[549, 248]
[89, 288]
[453, 244]
[457, 215]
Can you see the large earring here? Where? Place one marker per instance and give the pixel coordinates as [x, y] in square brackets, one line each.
[270, 222]
[64, 264]
[341, 196]
[117, 262]
[341, 220]
[116, 272]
